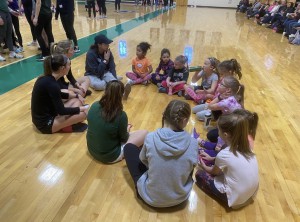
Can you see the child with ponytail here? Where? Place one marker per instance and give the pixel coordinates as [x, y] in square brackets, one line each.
[234, 179]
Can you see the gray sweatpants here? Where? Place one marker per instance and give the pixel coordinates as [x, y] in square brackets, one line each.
[100, 84]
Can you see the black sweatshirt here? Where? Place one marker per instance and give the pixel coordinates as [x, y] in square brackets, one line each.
[46, 101]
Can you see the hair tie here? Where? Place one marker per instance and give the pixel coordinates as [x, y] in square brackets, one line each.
[238, 89]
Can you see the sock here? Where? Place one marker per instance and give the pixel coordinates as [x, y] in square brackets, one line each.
[67, 129]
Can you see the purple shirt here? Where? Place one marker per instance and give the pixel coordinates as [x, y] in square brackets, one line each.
[228, 105]
[166, 68]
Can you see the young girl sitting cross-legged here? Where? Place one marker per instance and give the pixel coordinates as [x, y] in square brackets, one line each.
[162, 169]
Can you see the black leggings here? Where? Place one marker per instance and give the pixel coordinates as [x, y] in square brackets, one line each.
[68, 24]
[44, 22]
[16, 24]
[102, 7]
[117, 4]
[90, 6]
[28, 13]
[135, 166]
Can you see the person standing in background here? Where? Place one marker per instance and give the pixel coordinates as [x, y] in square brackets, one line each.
[117, 5]
[27, 6]
[66, 11]
[42, 20]
[6, 30]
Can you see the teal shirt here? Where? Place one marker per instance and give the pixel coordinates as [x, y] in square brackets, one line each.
[3, 6]
[104, 139]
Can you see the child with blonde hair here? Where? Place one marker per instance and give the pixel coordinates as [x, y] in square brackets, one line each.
[209, 76]
[177, 77]
[230, 97]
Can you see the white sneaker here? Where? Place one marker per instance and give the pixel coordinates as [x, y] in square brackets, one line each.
[76, 49]
[33, 43]
[292, 35]
[18, 50]
[145, 83]
[104, 16]
[130, 82]
[2, 59]
[14, 55]
[119, 78]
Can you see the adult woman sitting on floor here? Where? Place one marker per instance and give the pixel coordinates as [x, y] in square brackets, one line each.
[49, 113]
[79, 86]
[100, 66]
[108, 130]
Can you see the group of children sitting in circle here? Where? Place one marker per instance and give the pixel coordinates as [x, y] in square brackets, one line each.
[162, 162]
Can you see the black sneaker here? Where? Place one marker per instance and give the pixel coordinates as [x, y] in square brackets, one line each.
[187, 97]
[76, 49]
[79, 127]
[88, 93]
[162, 90]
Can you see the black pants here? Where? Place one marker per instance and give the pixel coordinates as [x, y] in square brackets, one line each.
[165, 3]
[102, 7]
[117, 4]
[6, 30]
[135, 166]
[28, 12]
[16, 24]
[68, 24]
[44, 22]
[90, 6]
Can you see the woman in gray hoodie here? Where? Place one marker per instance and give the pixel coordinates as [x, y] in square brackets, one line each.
[162, 170]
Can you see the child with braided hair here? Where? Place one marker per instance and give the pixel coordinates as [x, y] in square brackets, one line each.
[169, 151]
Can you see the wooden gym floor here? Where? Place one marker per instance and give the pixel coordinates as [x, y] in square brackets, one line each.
[53, 178]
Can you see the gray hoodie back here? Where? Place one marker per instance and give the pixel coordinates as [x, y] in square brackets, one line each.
[170, 157]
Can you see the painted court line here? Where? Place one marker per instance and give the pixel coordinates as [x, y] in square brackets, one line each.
[20, 72]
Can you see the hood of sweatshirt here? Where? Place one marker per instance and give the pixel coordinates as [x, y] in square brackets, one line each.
[170, 143]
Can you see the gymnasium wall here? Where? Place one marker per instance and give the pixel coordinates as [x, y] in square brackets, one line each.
[214, 3]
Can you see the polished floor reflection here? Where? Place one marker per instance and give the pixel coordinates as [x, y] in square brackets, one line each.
[53, 178]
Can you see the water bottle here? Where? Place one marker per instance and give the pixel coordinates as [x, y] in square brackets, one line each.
[207, 119]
